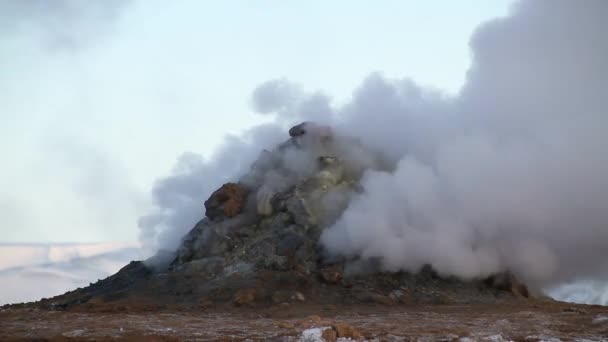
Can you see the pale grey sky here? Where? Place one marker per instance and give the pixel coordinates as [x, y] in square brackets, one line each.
[98, 98]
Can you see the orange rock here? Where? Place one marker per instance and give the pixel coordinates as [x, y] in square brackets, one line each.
[346, 330]
[329, 335]
[226, 201]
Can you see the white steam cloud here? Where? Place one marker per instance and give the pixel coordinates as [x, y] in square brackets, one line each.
[509, 174]
[180, 197]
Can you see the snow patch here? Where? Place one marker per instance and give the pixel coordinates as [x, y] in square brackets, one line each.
[312, 335]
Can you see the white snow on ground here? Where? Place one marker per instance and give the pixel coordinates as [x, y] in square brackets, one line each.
[30, 272]
[315, 335]
[312, 335]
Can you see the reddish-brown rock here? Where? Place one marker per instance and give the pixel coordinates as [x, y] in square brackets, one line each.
[329, 335]
[227, 201]
[346, 330]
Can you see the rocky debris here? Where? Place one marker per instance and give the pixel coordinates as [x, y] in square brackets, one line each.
[227, 201]
[515, 321]
[204, 240]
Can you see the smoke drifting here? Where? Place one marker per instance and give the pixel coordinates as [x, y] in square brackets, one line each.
[508, 174]
[179, 198]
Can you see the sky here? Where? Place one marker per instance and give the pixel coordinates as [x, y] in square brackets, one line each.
[98, 99]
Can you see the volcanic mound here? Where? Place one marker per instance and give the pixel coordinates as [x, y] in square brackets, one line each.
[259, 244]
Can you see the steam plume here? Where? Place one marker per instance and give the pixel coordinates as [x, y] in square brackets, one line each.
[508, 174]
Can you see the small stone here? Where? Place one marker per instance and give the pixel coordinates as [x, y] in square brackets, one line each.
[329, 335]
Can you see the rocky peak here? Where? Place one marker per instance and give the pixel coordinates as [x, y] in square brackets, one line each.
[277, 208]
[259, 241]
[294, 191]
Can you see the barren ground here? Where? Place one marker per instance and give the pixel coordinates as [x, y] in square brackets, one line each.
[525, 320]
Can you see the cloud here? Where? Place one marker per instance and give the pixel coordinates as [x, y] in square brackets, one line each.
[62, 24]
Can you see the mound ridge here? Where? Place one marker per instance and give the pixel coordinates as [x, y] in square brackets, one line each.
[259, 243]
